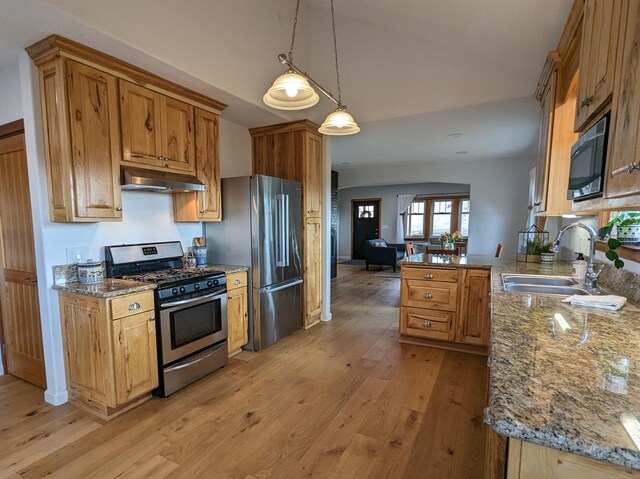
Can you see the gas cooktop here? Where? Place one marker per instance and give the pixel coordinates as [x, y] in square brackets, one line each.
[171, 275]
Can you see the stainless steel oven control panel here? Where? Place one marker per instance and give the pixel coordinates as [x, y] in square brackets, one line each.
[210, 283]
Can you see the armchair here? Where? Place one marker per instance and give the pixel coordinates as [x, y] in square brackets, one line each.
[378, 251]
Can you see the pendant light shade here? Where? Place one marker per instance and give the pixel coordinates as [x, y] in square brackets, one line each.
[339, 123]
[291, 91]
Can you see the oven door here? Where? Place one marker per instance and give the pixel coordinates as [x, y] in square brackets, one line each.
[189, 325]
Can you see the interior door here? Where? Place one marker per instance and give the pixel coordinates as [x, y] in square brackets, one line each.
[366, 224]
[22, 332]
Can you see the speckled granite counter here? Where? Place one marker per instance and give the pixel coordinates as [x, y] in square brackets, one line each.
[225, 268]
[108, 288]
[564, 376]
[449, 260]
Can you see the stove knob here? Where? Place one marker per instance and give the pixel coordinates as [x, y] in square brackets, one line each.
[209, 283]
[174, 291]
[196, 286]
[183, 289]
[216, 282]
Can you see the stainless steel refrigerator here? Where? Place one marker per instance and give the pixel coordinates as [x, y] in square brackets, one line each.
[261, 228]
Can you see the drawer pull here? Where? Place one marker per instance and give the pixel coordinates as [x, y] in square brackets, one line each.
[631, 167]
[428, 276]
[427, 296]
[134, 306]
[152, 318]
[426, 324]
[237, 281]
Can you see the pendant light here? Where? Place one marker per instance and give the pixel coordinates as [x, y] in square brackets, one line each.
[294, 91]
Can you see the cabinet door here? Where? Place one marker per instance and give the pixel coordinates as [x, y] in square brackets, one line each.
[474, 311]
[141, 125]
[312, 270]
[279, 154]
[95, 140]
[312, 176]
[626, 108]
[134, 355]
[544, 149]
[238, 319]
[177, 135]
[87, 349]
[600, 32]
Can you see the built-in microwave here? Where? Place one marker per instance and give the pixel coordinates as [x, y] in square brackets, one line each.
[588, 155]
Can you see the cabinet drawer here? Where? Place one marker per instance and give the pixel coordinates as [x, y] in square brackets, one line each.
[131, 304]
[236, 280]
[427, 323]
[431, 274]
[429, 294]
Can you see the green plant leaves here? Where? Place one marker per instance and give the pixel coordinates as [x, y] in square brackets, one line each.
[618, 263]
[613, 243]
[612, 255]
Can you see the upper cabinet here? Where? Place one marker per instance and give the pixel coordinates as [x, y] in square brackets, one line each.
[600, 29]
[622, 178]
[547, 109]
[97, 116]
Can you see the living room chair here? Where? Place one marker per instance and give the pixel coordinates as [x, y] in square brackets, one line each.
[378, 251]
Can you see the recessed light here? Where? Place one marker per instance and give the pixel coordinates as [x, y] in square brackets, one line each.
[461, 152]
[454, 135]
[345, 163]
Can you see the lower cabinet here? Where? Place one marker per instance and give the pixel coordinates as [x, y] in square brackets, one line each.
[312, 271]
[526, 460]
[110, 350]
[237, 312]
[449, 305]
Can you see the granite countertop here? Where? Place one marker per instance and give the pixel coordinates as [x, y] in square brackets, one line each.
[225, 268]
[108, 288]
[450, 261]
[566, 377]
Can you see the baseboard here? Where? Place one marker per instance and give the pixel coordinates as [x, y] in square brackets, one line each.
[325, 317]
[56, 399]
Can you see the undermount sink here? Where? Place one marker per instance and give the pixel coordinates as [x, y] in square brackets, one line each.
[538, 279]
[539, 284]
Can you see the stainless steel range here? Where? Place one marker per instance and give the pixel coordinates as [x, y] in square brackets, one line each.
[191, 305]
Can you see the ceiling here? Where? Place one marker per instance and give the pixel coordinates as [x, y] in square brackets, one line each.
[412, 71]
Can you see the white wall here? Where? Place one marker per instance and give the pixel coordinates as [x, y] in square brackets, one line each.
[389, 207]
[499, 190]
[146, 217]
[10, 99]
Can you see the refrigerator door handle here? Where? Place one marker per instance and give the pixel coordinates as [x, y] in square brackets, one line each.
[287, 222]
[288, 284]
[280, 227]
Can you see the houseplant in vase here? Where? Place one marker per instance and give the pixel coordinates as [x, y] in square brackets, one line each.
[627, 232]
[448, 240]
[546, 255]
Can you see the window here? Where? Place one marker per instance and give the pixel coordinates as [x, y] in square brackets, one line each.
[365, 211]
[431, 217]
[441, 217]
[465, 210]
[415, 219]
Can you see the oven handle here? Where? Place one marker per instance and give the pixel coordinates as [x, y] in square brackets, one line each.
[195, 361]
[191, 300]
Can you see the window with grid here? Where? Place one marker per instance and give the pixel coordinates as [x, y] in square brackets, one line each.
[414, 224]
[441, 217]
[465, 211]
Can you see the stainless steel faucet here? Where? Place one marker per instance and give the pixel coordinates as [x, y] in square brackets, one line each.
[591, 277]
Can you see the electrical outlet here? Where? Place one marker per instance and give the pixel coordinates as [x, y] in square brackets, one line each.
[385, 227]
[77, 254]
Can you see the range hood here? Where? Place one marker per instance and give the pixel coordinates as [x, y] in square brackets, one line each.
[160, 181]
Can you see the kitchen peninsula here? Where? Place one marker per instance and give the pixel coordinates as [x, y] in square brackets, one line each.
[564, 386]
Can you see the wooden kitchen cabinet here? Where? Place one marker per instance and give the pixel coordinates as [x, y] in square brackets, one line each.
[293, 151]
[622, 181]
[547, 105]
[82, 142]
[446, 307]
[600, 32]
[157, 131]
[203, 205]
[237, 312]
[110, 351]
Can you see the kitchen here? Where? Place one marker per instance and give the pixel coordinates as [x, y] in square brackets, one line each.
[147, 217]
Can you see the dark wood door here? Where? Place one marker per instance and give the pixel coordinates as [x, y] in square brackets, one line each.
[366, 225]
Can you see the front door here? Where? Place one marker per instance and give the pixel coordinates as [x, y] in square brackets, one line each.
[22, 331]
[366, 224]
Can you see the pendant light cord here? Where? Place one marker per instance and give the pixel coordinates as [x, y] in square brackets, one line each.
[335, 52]
[295, 24]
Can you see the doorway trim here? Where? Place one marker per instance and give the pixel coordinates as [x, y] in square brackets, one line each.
[355, 200]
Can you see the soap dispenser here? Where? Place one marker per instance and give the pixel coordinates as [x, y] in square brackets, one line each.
[579, 267]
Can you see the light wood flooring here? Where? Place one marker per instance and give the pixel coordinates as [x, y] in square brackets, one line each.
[341, 400]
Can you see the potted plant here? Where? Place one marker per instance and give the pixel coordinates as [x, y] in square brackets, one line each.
[628, 232]
[448, 240]
[546, 255]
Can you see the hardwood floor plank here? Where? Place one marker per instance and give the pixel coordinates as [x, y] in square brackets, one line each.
[357, 459]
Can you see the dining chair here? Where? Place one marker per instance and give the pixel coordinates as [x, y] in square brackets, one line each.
[499, 250]
[409, 249]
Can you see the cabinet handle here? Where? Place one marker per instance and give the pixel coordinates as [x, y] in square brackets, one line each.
[134, 306]
[152, 318]
[118, 208]
[426, 324]
[32, 280]
[538, 203]
[630, 168]
[427, 296]
[237, 281]
[428, 276]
